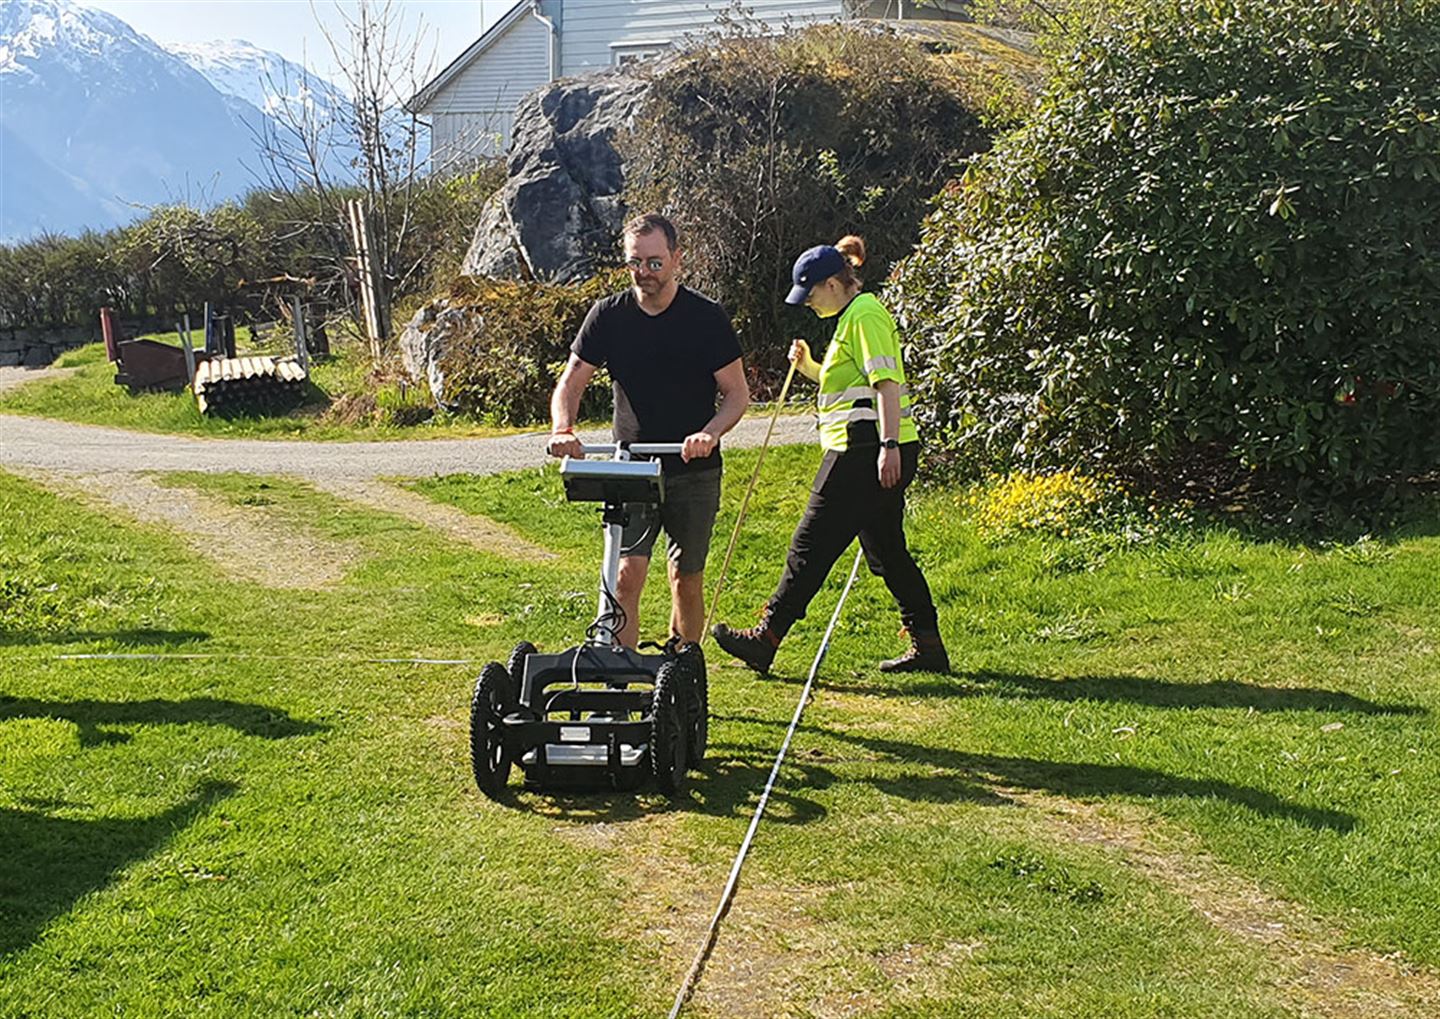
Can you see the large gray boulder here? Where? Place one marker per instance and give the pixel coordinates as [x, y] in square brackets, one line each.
[560, 209]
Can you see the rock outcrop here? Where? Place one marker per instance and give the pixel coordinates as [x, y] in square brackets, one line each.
[561, 208]
[426, 338]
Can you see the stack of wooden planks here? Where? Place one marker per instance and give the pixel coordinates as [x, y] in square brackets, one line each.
[247, 385]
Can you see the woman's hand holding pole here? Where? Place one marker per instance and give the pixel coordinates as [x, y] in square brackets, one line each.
[803, 362]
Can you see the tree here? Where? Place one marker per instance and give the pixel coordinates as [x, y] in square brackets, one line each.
[372, 148]
[764, 146]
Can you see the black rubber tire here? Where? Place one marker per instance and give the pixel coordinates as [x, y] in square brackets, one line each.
[668, 729]
[515, 666]
[697, 704]
[488, 758]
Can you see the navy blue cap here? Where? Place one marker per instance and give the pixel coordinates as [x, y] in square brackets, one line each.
[814, 266]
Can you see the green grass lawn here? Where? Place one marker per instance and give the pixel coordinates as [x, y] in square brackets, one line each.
[90, 396]
[1202, 720]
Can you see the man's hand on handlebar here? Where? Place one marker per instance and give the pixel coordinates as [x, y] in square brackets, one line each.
[564, 444]
[696, 446]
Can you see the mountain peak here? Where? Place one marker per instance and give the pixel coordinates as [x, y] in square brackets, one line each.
[30, 29]
[263, 78]
[95, 107]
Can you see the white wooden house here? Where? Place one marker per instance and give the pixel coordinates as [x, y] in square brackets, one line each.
[470, 105]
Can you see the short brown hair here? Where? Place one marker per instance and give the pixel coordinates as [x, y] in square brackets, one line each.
[648, 223]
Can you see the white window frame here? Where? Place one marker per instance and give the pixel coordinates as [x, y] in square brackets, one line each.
[632, 51]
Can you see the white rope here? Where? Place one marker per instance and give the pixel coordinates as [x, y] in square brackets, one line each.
[242, 656]
[693, 977]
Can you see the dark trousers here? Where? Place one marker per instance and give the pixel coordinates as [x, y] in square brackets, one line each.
[845, 502]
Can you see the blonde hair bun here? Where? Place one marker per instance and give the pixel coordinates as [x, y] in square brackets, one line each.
[852, 247]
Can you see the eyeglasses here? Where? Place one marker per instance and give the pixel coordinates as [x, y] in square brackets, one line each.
[653, 264]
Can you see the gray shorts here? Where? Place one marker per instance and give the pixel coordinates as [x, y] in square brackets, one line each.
[687, 516]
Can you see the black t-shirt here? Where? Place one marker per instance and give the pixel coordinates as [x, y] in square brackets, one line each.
[663, 366]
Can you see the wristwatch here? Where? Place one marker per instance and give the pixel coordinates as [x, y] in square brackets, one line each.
[891, 443]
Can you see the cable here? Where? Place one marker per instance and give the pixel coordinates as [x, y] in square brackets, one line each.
[613, 618]
[698, 966]
[626, 550]
[745, 502]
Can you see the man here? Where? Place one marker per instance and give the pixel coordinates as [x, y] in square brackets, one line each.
[670, 351]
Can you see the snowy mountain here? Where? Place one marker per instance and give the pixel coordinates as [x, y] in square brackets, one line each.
[262, 78]
[290, 95]
[99, 121]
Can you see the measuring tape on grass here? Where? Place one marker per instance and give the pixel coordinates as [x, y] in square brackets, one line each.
[728, 895]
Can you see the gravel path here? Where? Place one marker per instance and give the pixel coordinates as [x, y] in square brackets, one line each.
[88, 449]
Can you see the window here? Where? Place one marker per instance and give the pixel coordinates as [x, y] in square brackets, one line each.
[622, 54]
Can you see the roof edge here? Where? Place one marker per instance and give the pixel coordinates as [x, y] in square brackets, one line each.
[421, 99]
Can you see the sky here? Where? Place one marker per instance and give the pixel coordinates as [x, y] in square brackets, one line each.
[289, 27]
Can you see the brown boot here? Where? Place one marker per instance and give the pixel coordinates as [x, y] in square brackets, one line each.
[926, 654]
[755, 646]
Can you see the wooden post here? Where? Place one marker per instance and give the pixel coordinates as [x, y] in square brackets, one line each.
[368, 273]
[107, 330]
[297, 316]
[183, 328]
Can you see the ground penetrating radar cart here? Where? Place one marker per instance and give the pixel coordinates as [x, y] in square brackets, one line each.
[597, 713]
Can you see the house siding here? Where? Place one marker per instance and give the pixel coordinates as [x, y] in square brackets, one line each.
[473, 114]
[592, 29]
[514, 64]
[457, 139]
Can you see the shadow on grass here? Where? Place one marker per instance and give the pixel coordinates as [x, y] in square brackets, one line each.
[90, 715]
[727, 784]
[125, 638]
[719, 787]
[952, 775]
[1155, 693]
[49, 862]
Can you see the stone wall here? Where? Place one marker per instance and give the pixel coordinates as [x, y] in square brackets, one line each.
[35, 347]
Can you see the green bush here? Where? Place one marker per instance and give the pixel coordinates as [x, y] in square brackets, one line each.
[760, 147]
[248, 256]
[506, 342]
[1219, 234]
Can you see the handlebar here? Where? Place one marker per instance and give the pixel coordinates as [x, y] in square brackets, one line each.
[635, 448]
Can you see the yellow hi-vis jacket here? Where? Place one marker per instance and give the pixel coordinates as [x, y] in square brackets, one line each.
[864, 351]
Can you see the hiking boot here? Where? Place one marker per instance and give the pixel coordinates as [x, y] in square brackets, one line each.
[755, 646]
[926, 654]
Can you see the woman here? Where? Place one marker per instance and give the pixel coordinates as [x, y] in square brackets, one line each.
[871, 450]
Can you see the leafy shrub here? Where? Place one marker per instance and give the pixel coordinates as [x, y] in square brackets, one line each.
[760, 147]
[505, 343]
[245, 255]
[1219, 232]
